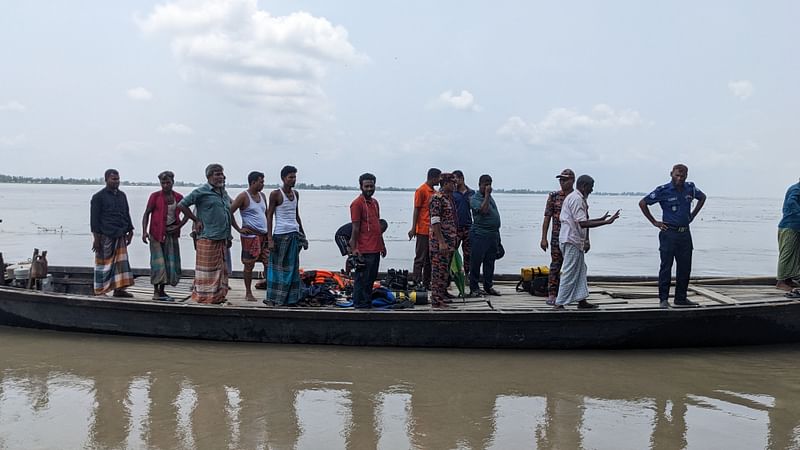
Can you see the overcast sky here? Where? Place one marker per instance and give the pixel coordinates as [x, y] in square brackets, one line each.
[617, 89]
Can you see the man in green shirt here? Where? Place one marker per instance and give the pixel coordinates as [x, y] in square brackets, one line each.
[484, 237]
[213, 226]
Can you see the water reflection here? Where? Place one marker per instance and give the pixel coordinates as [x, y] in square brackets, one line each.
[77, 391]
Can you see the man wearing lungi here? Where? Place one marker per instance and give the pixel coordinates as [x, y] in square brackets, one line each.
[574, 240]
[674, 238]
[112, 230]
[213, 227]
[162, 235]
[284, 229]
[252, 206]
[789, 243]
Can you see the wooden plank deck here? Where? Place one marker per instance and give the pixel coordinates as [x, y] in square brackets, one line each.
[609, 296]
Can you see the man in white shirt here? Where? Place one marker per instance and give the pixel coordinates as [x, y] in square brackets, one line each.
[574, 241]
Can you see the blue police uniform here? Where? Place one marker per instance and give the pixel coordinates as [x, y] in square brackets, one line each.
[675, 243]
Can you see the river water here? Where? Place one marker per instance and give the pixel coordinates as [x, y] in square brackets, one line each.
[71, 391]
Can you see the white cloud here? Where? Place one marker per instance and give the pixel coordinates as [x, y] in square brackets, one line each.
[175, 128]
[252, 56]
[140, 94]
[742, 89]
[12, 105]
[13, 141]
[567, 124]
[463, 101]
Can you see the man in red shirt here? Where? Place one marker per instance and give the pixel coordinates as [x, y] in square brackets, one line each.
[366, 242]
[420, 227]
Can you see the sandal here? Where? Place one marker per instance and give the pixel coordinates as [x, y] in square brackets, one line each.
[795, 294]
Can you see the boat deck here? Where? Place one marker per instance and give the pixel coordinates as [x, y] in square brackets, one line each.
[607, 295]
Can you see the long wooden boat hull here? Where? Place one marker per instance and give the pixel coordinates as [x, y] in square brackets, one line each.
[723, 325]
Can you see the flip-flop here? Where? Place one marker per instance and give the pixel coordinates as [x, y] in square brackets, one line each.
[793, 294]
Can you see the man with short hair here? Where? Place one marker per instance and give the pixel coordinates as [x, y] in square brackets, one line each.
[420, 228]
[674, 237]
[252, 206]
[552, 212]
[284, 229]
[212, 226]
[163, 216]
[366, 241]
[112, 231]
[485, 237]
[461, 197]
[789, 243]
[574, 240]
[442, 240]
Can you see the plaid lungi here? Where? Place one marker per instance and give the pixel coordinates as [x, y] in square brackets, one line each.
[165, 261]
[283, 274]
[255, 249]
[788, 254]
[574, 286]
[111, 267]
[210, 275]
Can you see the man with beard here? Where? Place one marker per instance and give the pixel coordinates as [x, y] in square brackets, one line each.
[284, 230]
[674, 237]
[112, 230]
[252, 206]
[366, 241]
[212, 226]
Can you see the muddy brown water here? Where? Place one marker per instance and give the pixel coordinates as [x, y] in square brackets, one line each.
[68, 390]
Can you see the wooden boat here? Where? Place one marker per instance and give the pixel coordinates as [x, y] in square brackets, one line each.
[731, 312]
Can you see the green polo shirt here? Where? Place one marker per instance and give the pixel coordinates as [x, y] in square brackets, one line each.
[484, 224]
[213, 209]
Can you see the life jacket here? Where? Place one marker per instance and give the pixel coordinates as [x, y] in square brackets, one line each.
[324, 277]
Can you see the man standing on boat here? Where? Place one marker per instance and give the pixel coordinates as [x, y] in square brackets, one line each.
[165, 224]
[112, 231]
[212, 226]
[674, 237]
[789, 243]
[420, 228]
[284, 230]
[442, 240]
[461, 196]
[366, 240]
[574, 240]
[485, 237]
[252, 206]
[552, 212]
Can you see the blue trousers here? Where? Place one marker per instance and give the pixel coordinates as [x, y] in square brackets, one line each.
[674, 246]
[483, 253]
[364, 279]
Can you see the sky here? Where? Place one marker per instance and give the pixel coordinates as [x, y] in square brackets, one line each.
[620, 90]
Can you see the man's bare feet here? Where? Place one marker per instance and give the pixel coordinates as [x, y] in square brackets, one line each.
[250, 298]
[784, 285]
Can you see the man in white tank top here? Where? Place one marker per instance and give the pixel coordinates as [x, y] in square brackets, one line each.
[283, 234]
[252, 206]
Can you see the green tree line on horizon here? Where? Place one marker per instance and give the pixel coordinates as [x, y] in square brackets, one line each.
[303, 186]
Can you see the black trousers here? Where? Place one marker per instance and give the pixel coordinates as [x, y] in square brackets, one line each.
[364, 279]
[674, 246]
[484, 253]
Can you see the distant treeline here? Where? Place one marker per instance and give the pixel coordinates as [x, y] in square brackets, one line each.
[301, 186]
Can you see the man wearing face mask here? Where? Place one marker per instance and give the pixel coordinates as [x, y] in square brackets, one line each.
[213, 227]
[366, 241]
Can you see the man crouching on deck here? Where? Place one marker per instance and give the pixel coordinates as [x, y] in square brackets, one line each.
[112, 230]
[213, 226]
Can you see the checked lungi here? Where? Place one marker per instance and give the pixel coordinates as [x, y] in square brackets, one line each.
[112, 270]
[788, 254]
[165, 261]
[283, 274]
[210, 275]
[574, 286]
[255, 249]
